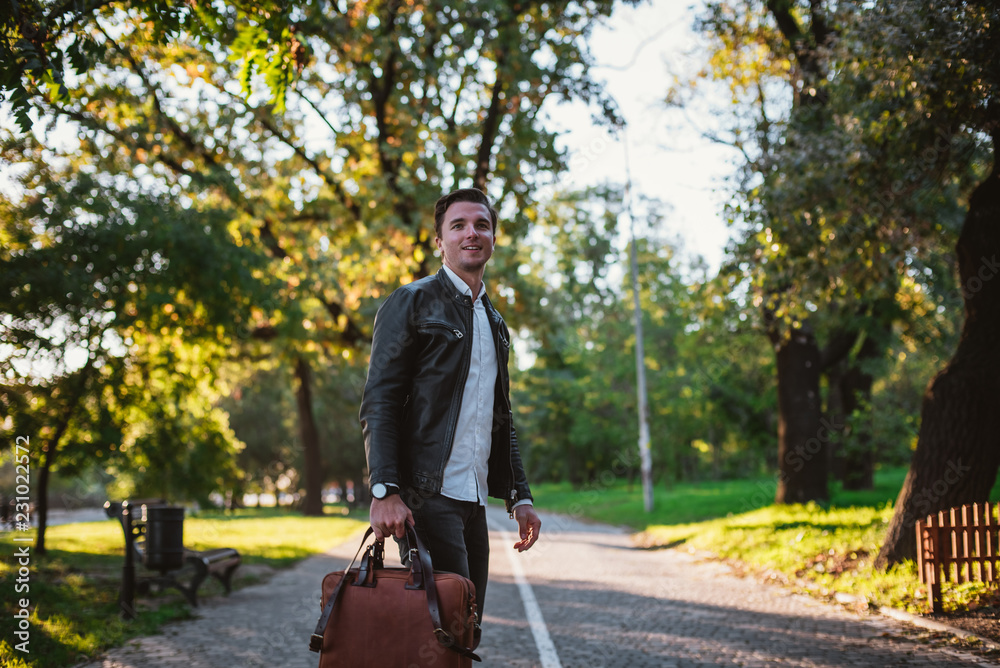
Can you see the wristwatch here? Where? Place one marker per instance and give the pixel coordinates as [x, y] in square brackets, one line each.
[381, 490]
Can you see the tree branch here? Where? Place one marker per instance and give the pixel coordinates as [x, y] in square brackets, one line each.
[351, 334]
[267, 122]
[821, 31]
[490, 127]
[802, 46]
[837, 347]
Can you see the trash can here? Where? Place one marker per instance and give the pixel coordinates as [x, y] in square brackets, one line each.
[164, 548]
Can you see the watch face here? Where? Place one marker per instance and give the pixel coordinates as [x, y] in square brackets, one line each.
[378, 490]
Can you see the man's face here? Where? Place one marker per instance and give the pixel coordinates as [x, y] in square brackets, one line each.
[466, 240]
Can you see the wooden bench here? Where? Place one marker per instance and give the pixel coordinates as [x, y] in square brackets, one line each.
[220, 563]
[959, 545]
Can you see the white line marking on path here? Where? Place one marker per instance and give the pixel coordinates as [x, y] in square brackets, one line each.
[546, 650]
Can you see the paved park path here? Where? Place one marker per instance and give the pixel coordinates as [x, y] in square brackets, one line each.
[581, 598]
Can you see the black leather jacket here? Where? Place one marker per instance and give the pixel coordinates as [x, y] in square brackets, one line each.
[421, 351]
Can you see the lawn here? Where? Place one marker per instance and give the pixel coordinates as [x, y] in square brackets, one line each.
[620, 503]
[73, 589]
[821, 550]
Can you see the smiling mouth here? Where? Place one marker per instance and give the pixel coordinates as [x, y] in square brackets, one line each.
[472, 248]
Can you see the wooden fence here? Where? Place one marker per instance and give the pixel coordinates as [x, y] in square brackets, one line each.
[958, 545]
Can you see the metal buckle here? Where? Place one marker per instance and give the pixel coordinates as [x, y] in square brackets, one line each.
[444, 637]
[315, 642]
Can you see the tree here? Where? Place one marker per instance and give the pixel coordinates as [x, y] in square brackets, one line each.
[42, 41]
[114, 302]
[829, 265]
[563, 293]
[261, 412]
[792, 41]
[946, 53]
[724, 397]
[709, 412]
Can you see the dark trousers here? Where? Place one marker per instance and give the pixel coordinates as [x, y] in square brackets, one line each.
[456, 535]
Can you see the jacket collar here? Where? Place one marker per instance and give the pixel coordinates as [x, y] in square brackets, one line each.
[461, 285]
[449, 287]
[447, 284]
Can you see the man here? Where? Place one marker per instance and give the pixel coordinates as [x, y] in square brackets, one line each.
[438, 427]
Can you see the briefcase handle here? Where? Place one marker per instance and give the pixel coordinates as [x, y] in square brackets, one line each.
[422, 571]
[373, 560]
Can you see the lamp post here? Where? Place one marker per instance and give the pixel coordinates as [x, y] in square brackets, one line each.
[645, 457]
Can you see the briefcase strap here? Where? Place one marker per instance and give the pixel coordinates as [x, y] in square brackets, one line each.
[430, 587]
[316, 640]
[423, 572]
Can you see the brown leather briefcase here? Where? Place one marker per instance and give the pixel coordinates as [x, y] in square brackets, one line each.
[377, 617]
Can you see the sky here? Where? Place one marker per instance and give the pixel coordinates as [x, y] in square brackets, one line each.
[637, 54]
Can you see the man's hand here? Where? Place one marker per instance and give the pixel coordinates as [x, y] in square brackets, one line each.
[528, 526]
[389, 517]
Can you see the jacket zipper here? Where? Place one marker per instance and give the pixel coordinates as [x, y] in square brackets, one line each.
[440, 325]
[510, 426]
[460, 388]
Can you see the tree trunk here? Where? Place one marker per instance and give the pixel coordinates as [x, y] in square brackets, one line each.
[833, 363]
[313, 503]
[858, 457]
[803, 434]
[42, 496]
[802, 438]
[835, 413]
[958, 449]
[49, 451]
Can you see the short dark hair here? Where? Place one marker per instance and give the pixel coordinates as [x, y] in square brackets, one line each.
[473, 195]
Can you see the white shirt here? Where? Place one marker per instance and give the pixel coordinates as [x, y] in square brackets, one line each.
[465, 472]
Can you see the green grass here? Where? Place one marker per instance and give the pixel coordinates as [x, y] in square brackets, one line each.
[821, 550]
[74, 587]
[621, 504]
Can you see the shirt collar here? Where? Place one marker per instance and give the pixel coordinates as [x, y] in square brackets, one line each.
[462, 286]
